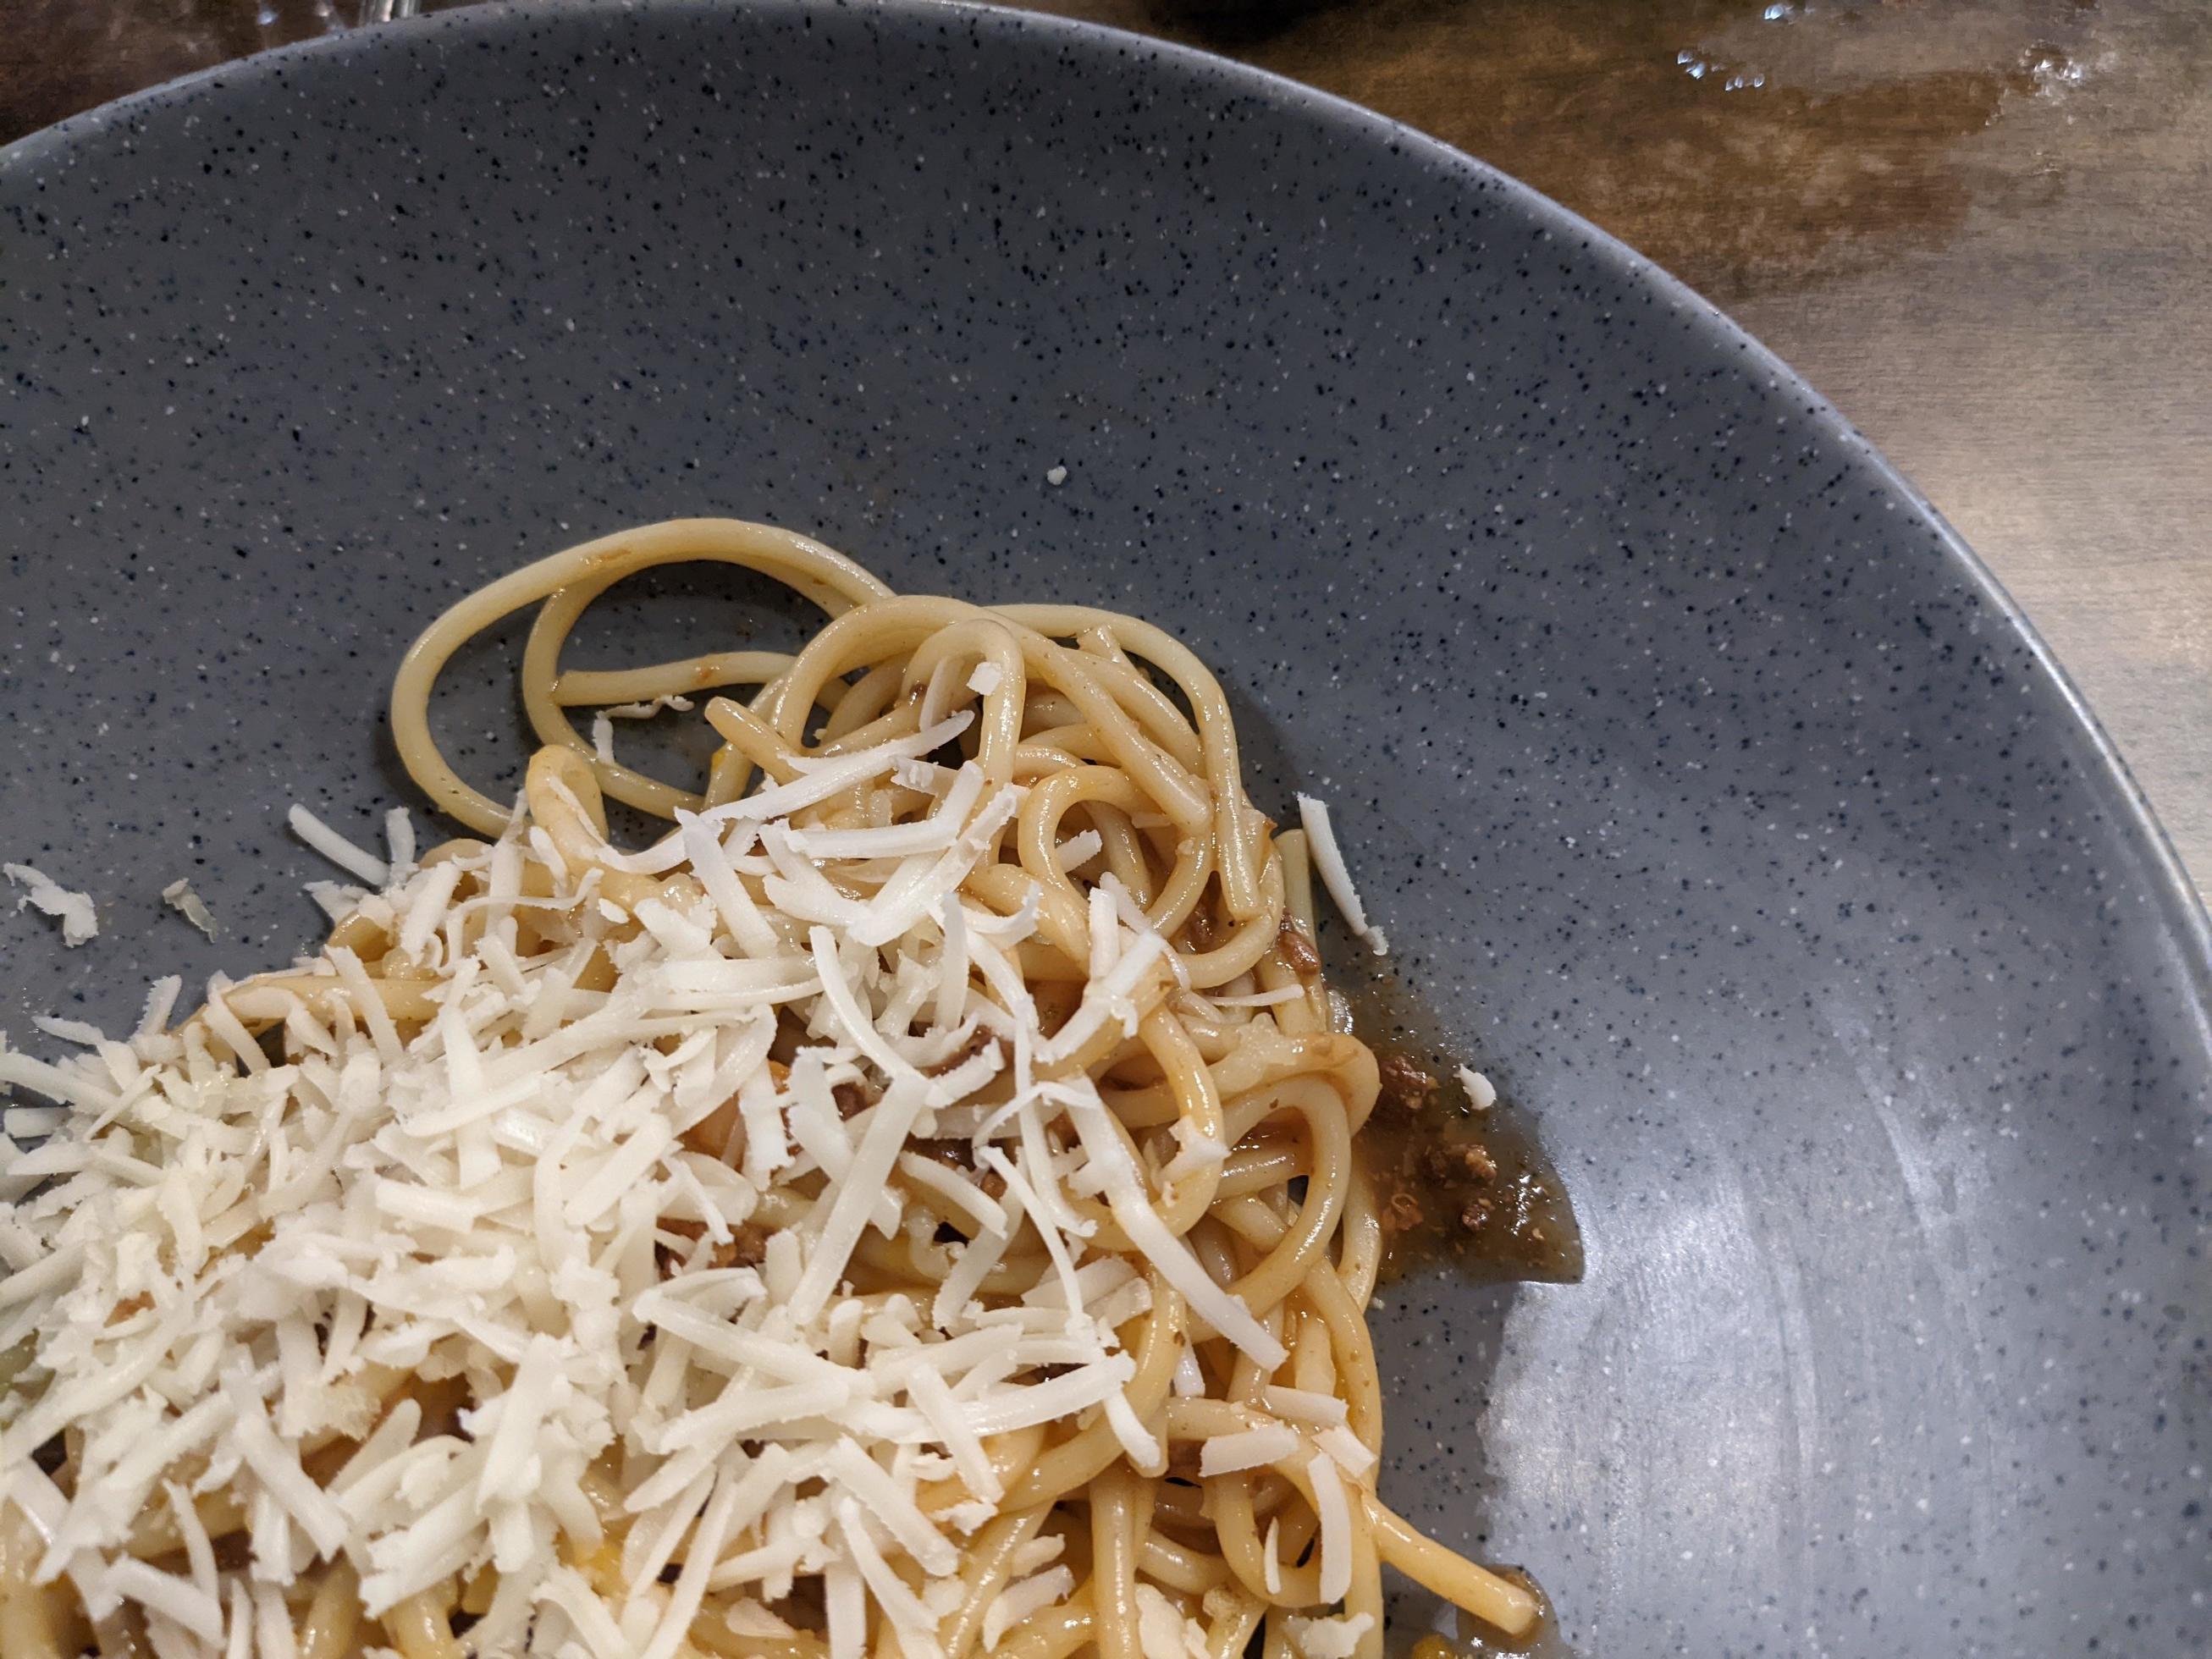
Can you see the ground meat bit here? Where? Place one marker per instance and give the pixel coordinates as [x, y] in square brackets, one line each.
[955, 1154]
[1297, 950]
[233, 1551]
[1460, 1160]
[747, 1247]
[851, 1100]
[961, 1155]
[1432, 1184]
[128, 1307]
[1403, 1213]
[1406, 1087]
[978, 1040]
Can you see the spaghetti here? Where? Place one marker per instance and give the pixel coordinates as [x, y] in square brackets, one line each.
[909, 1210]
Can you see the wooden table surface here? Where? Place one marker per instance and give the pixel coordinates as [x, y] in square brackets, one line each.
[1983, 227]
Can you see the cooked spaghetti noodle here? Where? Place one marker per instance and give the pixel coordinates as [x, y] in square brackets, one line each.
[908, 1211]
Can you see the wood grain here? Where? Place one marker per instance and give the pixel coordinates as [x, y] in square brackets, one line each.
[1983, 227]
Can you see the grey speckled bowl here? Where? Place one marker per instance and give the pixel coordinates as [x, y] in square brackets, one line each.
[1717, 801]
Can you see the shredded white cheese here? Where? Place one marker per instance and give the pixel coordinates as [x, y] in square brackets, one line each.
[1079, 850]
[1328, 864]
[1334, 1510]
[1163, 1630]
[649, 708]
[355, 861]
[79, 922]
[1023, 1600]
[1246, 1448]
[1329, 1638]
[180, 896]
[1481, 1092]
[223, 1258]
[1275, 998]
[1303, 1406]
[1351, 1453]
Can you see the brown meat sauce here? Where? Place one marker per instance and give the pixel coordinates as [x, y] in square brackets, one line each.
[1468, 1190]
[1471, 1190]
[1297, 948]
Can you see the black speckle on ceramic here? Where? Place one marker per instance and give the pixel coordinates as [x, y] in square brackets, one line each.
[1713, 796]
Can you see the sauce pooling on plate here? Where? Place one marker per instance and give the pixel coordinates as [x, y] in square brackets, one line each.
[1458, 1186]
[1467, 1187]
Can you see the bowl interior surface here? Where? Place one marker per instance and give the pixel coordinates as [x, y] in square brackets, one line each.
[1714, 801]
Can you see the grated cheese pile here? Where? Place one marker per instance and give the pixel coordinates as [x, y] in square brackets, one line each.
[590, 1226]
